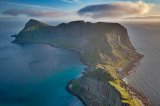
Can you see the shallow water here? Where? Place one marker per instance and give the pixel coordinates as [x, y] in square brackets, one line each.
[145, 38]
[36, 74]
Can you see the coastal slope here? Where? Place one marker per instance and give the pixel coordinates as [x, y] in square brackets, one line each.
[106, 51]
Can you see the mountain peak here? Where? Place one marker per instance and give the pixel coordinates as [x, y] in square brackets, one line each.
[33, 24]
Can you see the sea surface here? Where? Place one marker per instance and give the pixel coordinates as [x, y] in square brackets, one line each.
[36, 74]
[146, 39]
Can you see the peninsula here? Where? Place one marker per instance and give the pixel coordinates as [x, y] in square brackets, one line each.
[106, 51]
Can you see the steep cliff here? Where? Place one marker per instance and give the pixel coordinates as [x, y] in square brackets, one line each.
[106, 50]
[94, 89]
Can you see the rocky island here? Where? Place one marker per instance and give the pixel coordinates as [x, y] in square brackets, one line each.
[106, 51]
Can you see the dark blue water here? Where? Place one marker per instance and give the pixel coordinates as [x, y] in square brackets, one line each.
[36, 74]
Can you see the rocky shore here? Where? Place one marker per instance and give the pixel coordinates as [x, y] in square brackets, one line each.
[93, 89]
[96, 83]
[105, 49]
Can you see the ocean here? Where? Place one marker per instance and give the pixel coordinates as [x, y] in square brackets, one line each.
[36, 74]
[145, 36]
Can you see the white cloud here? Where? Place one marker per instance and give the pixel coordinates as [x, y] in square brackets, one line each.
[116, 9]
[32, 11]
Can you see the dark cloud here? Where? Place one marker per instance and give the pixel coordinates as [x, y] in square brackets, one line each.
[118, 9]
[34, 12]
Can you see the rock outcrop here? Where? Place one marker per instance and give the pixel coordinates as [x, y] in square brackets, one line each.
[94, 89]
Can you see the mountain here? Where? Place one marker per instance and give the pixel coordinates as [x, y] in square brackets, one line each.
[32, 25]
[80, 36]
[152, 17]
[104, 48]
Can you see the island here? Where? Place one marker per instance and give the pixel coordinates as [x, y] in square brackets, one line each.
[105, 50]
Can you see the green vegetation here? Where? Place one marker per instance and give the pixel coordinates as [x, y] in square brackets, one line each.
[106, 75]
[75, 85]
[33, 25]
[126, 97]
[122, 61]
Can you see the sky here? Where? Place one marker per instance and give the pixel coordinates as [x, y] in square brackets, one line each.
[68, 10]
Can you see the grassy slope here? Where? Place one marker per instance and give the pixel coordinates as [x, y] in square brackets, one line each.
[119, 84]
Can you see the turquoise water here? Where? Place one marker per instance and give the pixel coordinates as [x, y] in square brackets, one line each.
[36, 74]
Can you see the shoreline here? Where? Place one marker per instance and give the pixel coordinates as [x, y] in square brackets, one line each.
[129, 88]
[132, 90]
[85, 68]
[52, 45]
[129, 69]
[68, 89]
[126, 72]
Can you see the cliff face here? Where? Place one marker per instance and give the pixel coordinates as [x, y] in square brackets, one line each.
[104, 47]
[93, 88]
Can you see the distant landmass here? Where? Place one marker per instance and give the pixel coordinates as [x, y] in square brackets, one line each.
[106, 51]
[145, 17]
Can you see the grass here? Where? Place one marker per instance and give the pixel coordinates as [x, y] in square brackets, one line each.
[75, 85]
[126, 98]
[112, 66]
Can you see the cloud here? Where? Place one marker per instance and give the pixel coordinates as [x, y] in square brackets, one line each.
[72, 1]
[34, 12]
[115, 10]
